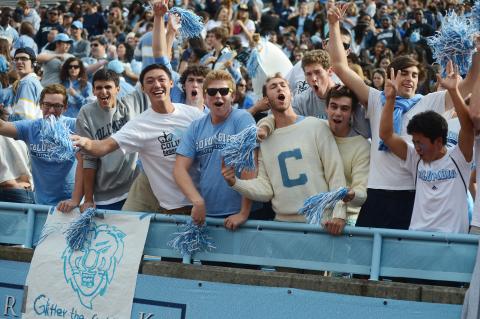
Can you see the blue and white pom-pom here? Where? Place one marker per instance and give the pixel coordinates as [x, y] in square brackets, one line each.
[475, 15]
[77, 231]
[454, 41]
[315, 205]
[55, 133]
[193, 238]
[239, 150]
[191, 25]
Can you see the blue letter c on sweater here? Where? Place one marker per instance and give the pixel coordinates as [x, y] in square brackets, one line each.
[287, 181]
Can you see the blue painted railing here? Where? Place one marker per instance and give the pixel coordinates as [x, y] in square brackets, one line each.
[368, 251]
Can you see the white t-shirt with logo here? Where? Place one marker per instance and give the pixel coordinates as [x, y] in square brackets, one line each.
[155, 137]
[386, 169]
[441, 196]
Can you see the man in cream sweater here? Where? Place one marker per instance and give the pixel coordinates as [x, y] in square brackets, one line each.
[298, 160]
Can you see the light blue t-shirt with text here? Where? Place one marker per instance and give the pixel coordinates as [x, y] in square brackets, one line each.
[203, 142]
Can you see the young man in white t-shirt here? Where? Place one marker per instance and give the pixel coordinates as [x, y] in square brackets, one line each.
[441, 173]
[155, 135]
[391, 187]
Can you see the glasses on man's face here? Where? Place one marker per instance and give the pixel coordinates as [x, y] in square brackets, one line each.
[94, 45]
[74, 66]
[21, 59]
[214, 91]
[48, 106]
[53, 13]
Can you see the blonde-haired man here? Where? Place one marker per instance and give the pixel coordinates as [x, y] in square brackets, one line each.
[202, 144]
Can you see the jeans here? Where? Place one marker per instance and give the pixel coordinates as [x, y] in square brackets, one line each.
[17, 195]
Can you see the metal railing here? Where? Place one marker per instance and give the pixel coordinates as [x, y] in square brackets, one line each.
[369, 251]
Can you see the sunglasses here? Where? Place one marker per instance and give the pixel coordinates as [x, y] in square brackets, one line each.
[71, 66]
[94, 45]
[53, 13]
[214, 91]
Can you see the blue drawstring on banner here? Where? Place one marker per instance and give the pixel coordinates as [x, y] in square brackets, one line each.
[454, 41]
[55, 133]
[315, 205]
[77, 231]
[191, 25]
[191, 239]
[239, 150]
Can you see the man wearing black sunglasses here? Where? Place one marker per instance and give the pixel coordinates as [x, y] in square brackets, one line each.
[202, 145]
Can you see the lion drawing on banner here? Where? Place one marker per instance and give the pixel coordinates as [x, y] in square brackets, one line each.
[90, 271]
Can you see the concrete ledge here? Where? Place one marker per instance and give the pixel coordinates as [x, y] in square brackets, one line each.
[313, 282]
[357, 287]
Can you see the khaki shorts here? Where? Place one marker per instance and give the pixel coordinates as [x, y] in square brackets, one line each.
[141, 199]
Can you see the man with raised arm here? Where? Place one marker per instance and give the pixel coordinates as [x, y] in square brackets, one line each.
[298, 160]
[155, 135]
[440, 173]
[475, 115]
[391, 187]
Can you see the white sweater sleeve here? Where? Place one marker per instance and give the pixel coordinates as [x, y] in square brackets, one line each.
[332, 166]
[360, 169]
[259, 189]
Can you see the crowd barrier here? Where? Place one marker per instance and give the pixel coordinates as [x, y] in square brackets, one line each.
[365, 251]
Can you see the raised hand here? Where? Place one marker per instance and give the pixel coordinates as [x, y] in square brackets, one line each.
[173, 22]
[336, 13]
[391, 85]
[452, 79]
[160, 7]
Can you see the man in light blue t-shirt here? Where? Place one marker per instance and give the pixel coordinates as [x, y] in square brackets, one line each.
[53, 178]
[202, 144]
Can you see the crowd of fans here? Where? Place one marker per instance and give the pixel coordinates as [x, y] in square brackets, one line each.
[151, 111]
